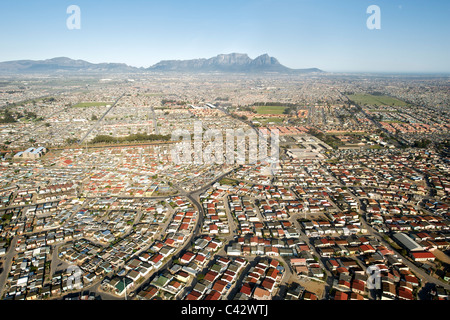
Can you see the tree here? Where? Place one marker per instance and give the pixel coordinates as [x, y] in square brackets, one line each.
[424, 143]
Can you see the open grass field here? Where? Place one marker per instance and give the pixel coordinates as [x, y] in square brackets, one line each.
[371, 100]
[270, 109]
[91, 104]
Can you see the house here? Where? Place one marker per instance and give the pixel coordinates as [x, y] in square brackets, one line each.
[187, 257]
[148, 294]
[193, 295]
[220, 286]
[366, 248]
[121, 285]
[234, 250]
[356, 296]
[261, 294]
[389, 291]
[182, 276]
[298, 262]
[343, 285]
[339, 295]
[213, 295]
[332, 264]
[134, 275]
[309, 296]
[156, 260]
[358, 286]
[268, 284]
[246, 289]
[200, 259]
[405, 294]
[211, 276]
[412, 280]
[317, 272]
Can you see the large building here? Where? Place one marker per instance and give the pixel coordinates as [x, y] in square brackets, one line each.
[406, 242]
[31, 153]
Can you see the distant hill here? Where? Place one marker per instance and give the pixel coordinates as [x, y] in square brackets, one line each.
[61, 64]
[233, 63]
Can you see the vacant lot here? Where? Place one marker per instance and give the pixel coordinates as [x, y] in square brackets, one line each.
[441, 256]
[264, 121]
[316, 287]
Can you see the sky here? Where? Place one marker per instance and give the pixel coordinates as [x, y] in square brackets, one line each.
[328, 34]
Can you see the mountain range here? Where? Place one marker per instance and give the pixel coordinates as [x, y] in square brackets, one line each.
[225, 63]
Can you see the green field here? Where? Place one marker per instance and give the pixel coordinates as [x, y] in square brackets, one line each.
[270, 109]
[91, 104]
[227, 181]
[371, 100]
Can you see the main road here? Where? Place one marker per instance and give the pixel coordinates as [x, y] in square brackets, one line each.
[7, 260]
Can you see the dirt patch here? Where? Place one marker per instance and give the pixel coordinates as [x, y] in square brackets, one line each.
[316, 287]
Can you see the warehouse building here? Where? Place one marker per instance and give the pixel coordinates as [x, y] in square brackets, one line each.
[406, 242]
[31, 153]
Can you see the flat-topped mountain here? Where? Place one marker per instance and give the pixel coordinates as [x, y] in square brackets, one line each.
[234, 62]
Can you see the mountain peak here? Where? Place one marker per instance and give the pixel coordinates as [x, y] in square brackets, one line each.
[265, 59]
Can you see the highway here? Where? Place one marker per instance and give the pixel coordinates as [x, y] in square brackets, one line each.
[101, 119]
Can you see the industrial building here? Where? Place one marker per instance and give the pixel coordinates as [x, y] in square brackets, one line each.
[406, 242]
[31, 153]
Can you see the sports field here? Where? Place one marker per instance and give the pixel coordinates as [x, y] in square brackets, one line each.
[270, 109]
[91, 104]
[371, 100]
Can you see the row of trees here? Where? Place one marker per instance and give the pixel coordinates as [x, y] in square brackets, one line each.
[275, 104]
[423, 143]
[131, 138]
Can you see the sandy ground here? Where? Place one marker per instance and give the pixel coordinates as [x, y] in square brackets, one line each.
[441, 256]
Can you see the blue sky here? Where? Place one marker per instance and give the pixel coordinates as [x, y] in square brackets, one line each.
[328, 34]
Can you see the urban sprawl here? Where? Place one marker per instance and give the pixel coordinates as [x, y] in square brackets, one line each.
[92, 204]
